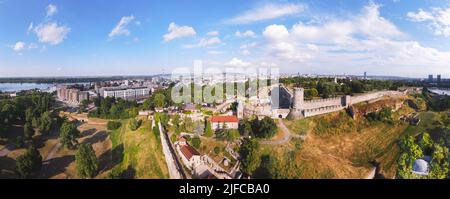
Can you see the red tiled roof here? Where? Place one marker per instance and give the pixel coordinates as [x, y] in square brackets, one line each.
[188, 151]
[224, 119]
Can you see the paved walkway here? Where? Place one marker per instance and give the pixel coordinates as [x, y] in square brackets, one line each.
[286, 137]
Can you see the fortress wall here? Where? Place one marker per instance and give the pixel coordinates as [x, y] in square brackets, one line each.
[322, 110]
[372, 96]
[314, 104]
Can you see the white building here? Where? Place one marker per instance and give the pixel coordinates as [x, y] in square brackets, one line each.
[127, 93]
[190, 157]
[224, 122]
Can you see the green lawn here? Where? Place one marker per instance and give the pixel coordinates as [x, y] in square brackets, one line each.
[138, 152]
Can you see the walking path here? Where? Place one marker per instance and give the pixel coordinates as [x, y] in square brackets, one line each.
[52, 152]
[286, 137]
[6, 150]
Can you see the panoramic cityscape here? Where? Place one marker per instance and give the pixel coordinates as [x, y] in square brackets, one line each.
[225, 90]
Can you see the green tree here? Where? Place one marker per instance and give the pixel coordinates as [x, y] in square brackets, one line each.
[69, 134]
[134, 124]
[176, 124]
[267, 128]
[425, 142]
[29, 163]
[217, 150]
[250, 157]
[113, 125]
[45, 123]
[29, 115]
[86, 161]
[196, 142]
[208, 129]
[28, 131]
[159, 100]
[245, 127]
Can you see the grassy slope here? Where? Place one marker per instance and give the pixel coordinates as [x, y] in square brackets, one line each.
[141, 151]
[338, 147]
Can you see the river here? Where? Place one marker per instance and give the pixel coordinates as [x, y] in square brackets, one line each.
[440, 91]
[15, 87]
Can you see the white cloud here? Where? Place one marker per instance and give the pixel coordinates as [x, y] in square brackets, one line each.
[205, 42]
[51, 10]
[245, 48]
[121, 27]
[235, 62]
[51, 33]
[247, 33]
[266, 12]
[438, 19]
[366, 39]
[18, 46]
[213, 33]
[215, 52]
[176, 31]
[32, 46]
[30, 28]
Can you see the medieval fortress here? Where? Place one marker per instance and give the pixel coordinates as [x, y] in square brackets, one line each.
[301, 108]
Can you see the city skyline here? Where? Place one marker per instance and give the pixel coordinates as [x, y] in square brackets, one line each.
[384, 37]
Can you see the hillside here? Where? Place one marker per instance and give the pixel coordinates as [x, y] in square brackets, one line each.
[137, 154]
[338, 146]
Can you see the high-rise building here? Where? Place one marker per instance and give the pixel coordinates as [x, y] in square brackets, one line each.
[438, 79]
[430, 78]
[365, 75]
[71, 95]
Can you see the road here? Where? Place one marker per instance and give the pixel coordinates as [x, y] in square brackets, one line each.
[286, 137]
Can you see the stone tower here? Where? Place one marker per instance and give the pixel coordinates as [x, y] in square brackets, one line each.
[297, 104]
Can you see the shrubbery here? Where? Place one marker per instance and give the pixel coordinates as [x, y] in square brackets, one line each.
[113, 125]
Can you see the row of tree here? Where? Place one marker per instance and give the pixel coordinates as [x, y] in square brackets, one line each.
[327, 87]
[112, 108]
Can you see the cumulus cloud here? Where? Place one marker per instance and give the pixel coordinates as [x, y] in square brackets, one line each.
[213, 33]
[266, 12]
[121, 27]
[205, 42]
[51, 33]
[236, 62]
[18, 46]
[30, 28]
[51, 10]
[245, 48]
[215, 52]
[176, 31]
[247, 33]
[438, 19]
[364, 39]
[32, 46]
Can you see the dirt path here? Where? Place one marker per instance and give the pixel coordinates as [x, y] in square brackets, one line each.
[6, 150]
[286, 137]
[53, 151]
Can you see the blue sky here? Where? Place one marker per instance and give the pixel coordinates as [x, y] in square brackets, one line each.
[141, 37]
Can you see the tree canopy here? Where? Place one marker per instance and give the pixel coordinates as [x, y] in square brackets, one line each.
[86, 161]
[69, 134]
[250, 157]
